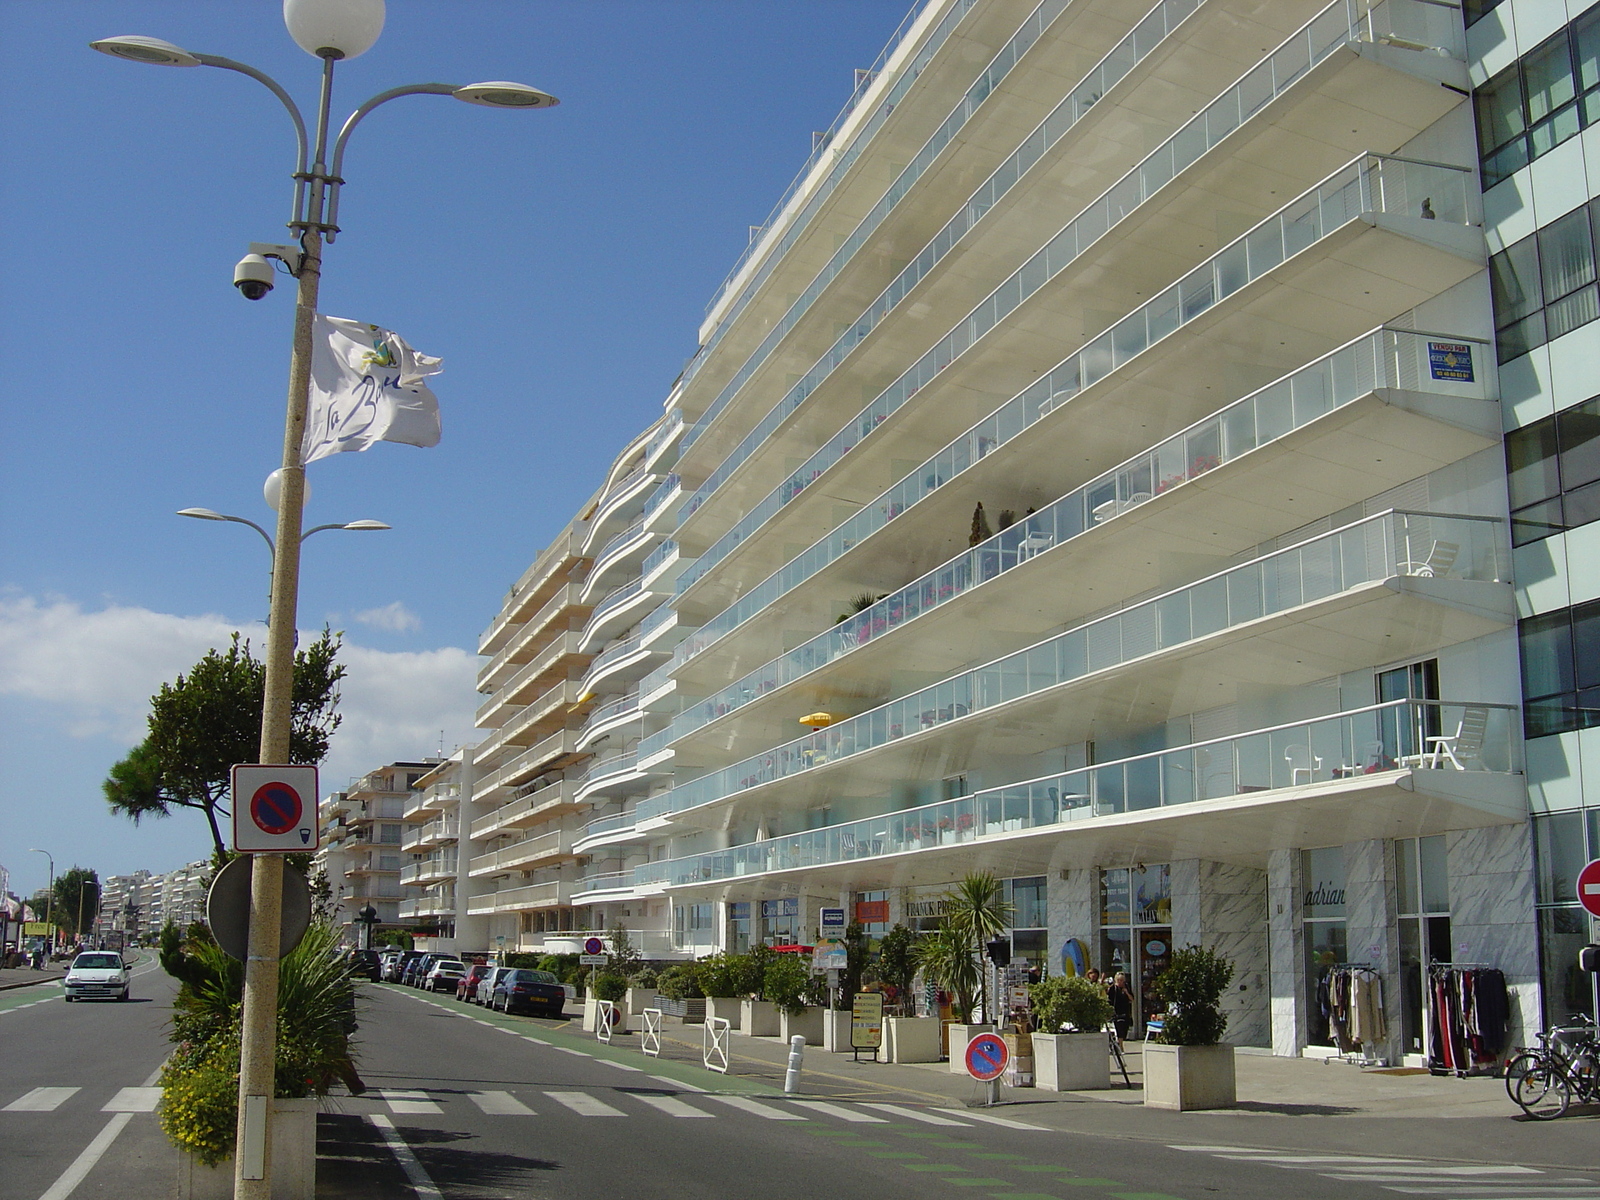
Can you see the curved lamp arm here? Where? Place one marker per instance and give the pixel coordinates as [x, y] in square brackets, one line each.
[261, 77]
[336, 169]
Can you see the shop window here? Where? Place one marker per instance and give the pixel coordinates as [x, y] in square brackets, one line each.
[739, 927]
[692, 924]
[1422, 901]
[1136, 928]
[1326, 941]
[780, 922]
[1562, 843]
[1027, 897]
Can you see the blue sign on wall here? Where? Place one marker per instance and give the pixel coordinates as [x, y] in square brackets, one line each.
[1450, 360]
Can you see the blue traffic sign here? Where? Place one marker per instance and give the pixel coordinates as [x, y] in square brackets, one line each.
[276, 808]
[987, 1057]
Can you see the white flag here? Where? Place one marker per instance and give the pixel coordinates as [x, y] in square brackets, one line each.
[366, 386]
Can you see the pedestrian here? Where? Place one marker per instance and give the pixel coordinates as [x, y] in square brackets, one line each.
[1092, 975]
[1121, 997]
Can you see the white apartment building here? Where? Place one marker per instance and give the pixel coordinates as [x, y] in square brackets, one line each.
[130, 906]
[1259, 331]
[362, 830]
[182, 894]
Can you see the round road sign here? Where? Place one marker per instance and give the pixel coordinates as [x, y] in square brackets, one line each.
[594, 946]
[276, 808]
[1589, 887]
[987, 1056]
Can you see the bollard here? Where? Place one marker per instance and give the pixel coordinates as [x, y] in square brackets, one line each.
[797, 1054]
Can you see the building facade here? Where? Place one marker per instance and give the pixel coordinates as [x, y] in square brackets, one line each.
[361, 853]
[1144, 456]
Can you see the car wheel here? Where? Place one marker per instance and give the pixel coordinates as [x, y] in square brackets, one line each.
[125, 993]
[69, 999]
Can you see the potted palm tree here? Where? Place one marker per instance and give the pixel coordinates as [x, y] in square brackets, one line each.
[1190, 1067]
[1070, 1050]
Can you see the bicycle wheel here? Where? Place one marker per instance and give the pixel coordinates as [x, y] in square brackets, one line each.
[1516, 1067]
[1540, 1089]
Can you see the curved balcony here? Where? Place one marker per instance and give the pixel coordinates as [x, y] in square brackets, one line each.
[619, 559]
[609, 776]
[1369, 773]
[610, 881]
[620, 508]
[1373, 591]
[624, 662]
[660, 510]
[1299, 447]
[606, 831]
[608, 718]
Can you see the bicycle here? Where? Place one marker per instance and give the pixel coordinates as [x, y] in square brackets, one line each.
[1543, 1082]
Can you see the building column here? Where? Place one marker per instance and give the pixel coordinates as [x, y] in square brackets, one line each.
[1223, 907]
[1492, 915]
[1286, 947]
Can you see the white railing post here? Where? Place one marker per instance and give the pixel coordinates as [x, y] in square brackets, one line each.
[652, 1032]
[714, 1044]
[605, 1019]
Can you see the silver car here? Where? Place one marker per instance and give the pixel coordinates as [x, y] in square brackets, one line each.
[97, 975]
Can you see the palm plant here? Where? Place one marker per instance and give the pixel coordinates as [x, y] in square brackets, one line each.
[975, 912]
[946, 958]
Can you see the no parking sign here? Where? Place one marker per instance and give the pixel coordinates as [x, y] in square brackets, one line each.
[274, 809]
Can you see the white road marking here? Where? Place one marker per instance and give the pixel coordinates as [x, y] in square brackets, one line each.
[619, 1066]
[420, 1182]
[585, 1105]
[1007, 1122]
[501, 1104]
[134, 1099]
[570, 1050]
[916, 1115]
[1481, 1181]
[759, 1109]
[42, 1099]
[841, 1112]
[534, 1040]
[672, 1106]
[408, 1101]
[85, 1162]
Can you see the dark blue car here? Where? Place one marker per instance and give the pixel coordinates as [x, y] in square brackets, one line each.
[522, 990]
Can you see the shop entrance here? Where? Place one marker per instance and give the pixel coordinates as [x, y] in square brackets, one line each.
[1136, 930]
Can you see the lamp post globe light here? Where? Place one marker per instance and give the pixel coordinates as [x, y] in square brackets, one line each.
[329, 30]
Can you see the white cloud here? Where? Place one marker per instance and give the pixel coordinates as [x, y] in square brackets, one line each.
[392, 618]
[95, 673]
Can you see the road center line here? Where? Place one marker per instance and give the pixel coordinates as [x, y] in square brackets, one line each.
[415, 1172]
[85, 1162]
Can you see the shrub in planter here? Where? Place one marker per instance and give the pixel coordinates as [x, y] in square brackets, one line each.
[1069, 1000]
[610, 987]
[199, 1101]
[787, 982]
[718, 975]
[1192, 987]
[645, 977]
[680, 982]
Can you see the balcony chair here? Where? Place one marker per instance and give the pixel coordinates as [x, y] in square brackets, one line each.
[1302, 762]
[1034, 543]
[1460, 747]
[1440, 560]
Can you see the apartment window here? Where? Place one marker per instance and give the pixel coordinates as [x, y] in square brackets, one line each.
[1544, 285]
[1553, 473]
[1560, 670]
[389, 834]
[1026, 896]
[693, 923]
[1476, 10]
[1540, 100]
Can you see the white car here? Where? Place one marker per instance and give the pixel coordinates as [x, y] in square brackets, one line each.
[97, 975]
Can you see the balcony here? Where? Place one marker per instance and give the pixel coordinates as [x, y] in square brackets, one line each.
[546, 573]
[537, 720]
[609, 776]
[434, 833]
[606, 831]
[428, 906]
[560, 612]
[1352, 776]
[1287, 121]
[538, 895]
[620, 665]
[618, 560]
[660, 510]
[555, 660]
[585, 890]
[541, 849]
[553, 753]
[1374, 591]
[619, 507]
[429, 870]
[531, 809]
[608, 718]
[1367, 417]
[435, 799]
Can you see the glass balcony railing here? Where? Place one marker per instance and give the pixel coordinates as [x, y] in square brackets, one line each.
[616, 764]
[1372, 183]
[1337, 25]
[1381, 547]
[628, 703]
[604, 882]
[671, 423]
[1384, 358]
[655, 621]
[659, 497]
[656, 557]
[656, 742]
[618, 597]
[611, 824]
[604, 660]
[841, 167]
[1122, 59]
[1348, 745]
[618, 540]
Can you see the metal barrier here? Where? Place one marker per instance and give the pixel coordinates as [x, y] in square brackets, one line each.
[651, 1043]
[714, 1044]
[605, 1019]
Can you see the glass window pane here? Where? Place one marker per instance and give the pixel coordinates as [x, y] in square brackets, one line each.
[1435, 874]
[1586, 644]
[1531, 463]
[1514, 282]
[1324, 879]
[1560, 855]
[1586, 49]
[1566, 254]
[1546, 644]
[1578, 430]
[1499, 106]
[1562, 933]
[1547, 74]
[1406, 895]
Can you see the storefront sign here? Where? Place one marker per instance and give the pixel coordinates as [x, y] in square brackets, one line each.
[926, 908]
[872, 912]
[1152, 894]
[780, 908]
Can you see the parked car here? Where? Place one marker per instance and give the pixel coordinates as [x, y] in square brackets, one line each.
[522, 990]
[97, 975]
[469, 981]
[415, 970]
[394, 972]
[365, 963]
[485, 988]
[444, 975]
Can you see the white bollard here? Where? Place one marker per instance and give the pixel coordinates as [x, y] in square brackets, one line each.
[797, 1054]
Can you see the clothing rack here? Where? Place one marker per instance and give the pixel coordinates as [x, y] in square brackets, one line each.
[1468, 1018]
[1364, 1054]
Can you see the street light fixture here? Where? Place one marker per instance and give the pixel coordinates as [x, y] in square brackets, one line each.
[49, 896]
[329, 30]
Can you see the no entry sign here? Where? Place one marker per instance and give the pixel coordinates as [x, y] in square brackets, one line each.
[274, 809]
[987, 1057]
[1589, 887]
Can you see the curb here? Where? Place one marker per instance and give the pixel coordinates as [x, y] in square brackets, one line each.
[7, 987]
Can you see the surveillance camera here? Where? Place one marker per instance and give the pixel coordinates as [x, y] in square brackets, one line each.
[253, 276]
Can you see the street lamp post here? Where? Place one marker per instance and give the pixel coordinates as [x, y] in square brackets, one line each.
[330, 30]
[49, 896]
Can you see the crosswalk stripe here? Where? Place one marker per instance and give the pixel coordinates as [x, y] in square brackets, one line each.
[42, 1099]
[841, 1112]
[1006, 1122]
[501, 1104]
[134, 1099]
[570, 1050]
[401, 1102]
[671, 1105]
[585, 1105]
[677, 1083]
[1561, 1189]
[534, 1040]
[619, 1066]
[759, 1109]
[915, 1114]
[1432, 1170]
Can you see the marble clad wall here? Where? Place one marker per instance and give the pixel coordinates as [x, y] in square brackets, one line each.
[1492, 913]
[1370, 929]
[1072, 911]
[1286, 936]
[1223, 907]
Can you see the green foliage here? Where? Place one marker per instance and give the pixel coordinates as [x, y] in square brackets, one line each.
[390, 937]
[200, 1102]
[680, 982]
[946, 956]
[786, 982]
[76, 901]
[722, 975]
[857, 950]
[756, 961]
[524, 960]
[623, 958]
[610, 986]
[645, 977]
[974, 913]
[1069, 1000]
[564, 967]
[897, 963]
[209, 719]
[1192, 987]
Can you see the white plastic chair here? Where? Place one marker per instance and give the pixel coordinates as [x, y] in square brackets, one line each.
[1302, 762]
[1439, 562]
[1465, 744]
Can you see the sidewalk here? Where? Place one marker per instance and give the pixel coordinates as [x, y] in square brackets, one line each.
[17, 977]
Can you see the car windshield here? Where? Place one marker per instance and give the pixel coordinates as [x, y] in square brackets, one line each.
[533, 977]
[97, 962]
[450, 964]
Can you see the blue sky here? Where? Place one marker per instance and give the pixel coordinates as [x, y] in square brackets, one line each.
[559, 262]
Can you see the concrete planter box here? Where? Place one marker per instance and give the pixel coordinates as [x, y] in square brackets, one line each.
[294, 1159]
[639, 999]
[1071, 1062]
[807, 1023]
[591, 1012]
[911, 1039]
[960, 1035]
[725, 1008]
[758, 1018]
[835, 1031]
[1189, 1078]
